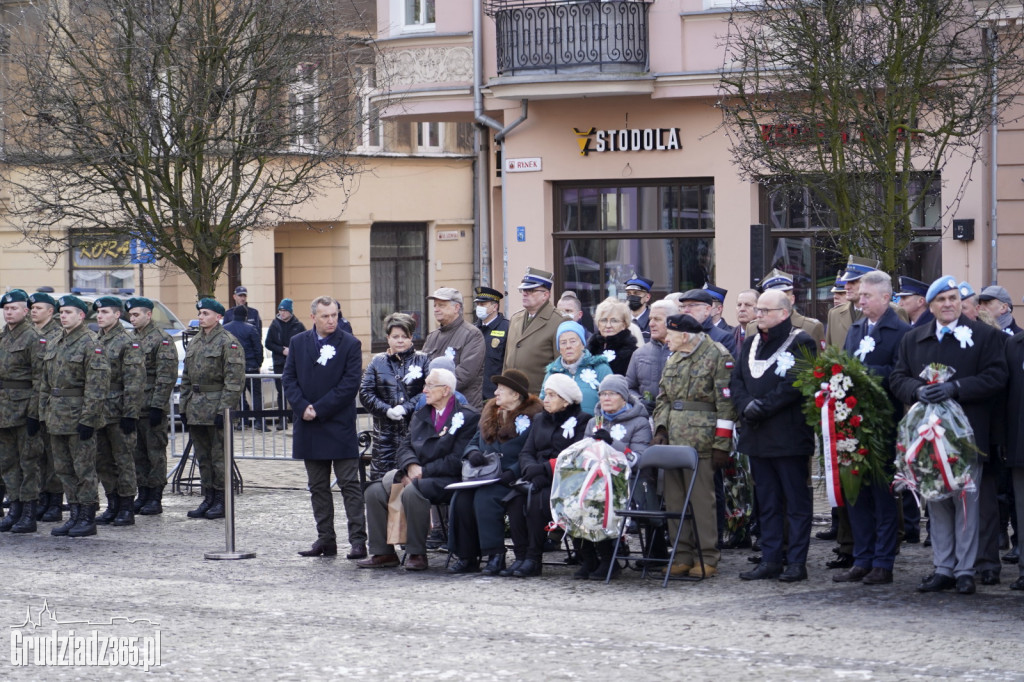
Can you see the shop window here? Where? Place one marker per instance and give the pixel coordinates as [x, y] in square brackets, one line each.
[398, 277]
[101, 262]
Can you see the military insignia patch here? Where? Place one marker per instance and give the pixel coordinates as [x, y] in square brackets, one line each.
[164, 343]
[495, 343]
[234, 345]
[729, 364]
[99, 351]
[135, 345]
[42, 341]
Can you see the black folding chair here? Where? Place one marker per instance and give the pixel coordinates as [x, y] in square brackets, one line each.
[662, 457]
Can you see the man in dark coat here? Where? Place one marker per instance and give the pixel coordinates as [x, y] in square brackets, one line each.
[974, 350]
[775, 435]
[321, 379]
[874, 517]
[494, 326]
[697, 304]
[282, 329]
[249, 339]
[248, 314]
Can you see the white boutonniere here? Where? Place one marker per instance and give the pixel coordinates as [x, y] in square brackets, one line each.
[617, 432]
[568, 427]
[450, 353]
[414, 373]
[326, 353]
[522, 423]
[784, 363]
[964, 335]
[589, 377]
[867, 344]
[458, 420]
[610, 354]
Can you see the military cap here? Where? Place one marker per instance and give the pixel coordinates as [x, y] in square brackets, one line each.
[138, 302]
[684, 323]
[840, 285]
[857, 267]
[535, 278]
[911, 287]
[41, 297]
[717, 292]
[942, 284]
[241, 290]
[487, 294]
[107, 302]
[638, 282]
[70, 301]
[699, 295]
[14, 296]
[777, 279]
[210, 304]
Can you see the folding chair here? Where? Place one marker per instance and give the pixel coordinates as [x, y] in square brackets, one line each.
[662, 457]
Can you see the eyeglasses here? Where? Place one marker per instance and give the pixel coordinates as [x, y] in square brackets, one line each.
[433, 386]
[688, 306]
[764, 311]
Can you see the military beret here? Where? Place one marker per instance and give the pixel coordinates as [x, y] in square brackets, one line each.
[211, 305]
[684, 323]
[138, 302]
[41, 297]
[966, 291]
[14, 296]
[942, 284]
[107, 302]
[70, 301]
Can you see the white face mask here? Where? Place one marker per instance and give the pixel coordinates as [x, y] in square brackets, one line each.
[481, 312]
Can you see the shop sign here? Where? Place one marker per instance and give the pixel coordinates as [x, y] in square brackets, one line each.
[524, 165]
[592, 140]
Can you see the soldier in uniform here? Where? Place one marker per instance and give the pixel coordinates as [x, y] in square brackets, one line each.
[51, 494]
[532, 332]
[694, 408]
[493, 325]
[72, 397]
[20, 365]
[842, 317]
[115, 440]
[211, 382]
[160, 360]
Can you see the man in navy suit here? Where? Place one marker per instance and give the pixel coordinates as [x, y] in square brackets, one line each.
[321, 380]
[874, 339]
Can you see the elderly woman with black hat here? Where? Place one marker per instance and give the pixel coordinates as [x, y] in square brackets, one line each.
[560, 425]
[477, 525]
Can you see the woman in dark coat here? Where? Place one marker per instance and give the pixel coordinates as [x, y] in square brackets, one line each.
[614, 338]
[560, 425]
[390, 387]
[477, 525]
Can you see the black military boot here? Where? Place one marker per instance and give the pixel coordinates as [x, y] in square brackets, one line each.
[67, 525]
[85, 525]
[110, 513]
[44, 500]
[204, 506]
[13, 514]
[141, 500]
[216, 510]
[27, 522]
[53, 512]
[153, 504]
[125, 515]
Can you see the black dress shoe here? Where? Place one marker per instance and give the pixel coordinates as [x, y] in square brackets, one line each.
[878, 576]
[965, 584]
[1013, 556]
[754, 559]
[465, 566]
[763, 571]
[829, 534]
[357, 551]
[321, 548]
[842, 560]
[854, 575]
[794, 573]
[937, 583]
[927, 542]
[1017, 584]
[912, 538]
[495, 564]
[510, 571]
[989, 577]
[528, 569]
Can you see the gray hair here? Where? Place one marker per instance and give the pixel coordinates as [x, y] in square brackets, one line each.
[324, 301]
[443, 377]
[878, 278]
[668, 306]
[615, 308]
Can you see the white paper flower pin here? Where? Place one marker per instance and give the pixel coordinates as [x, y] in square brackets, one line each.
[522, 423]
[784, 363]
[964, 335]
[457, 421]
[414, 373]
[326, 353]
[867, 344]
[568, 427]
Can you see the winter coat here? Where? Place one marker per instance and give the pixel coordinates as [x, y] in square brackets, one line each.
[278, 337]
[887, 334]
[505, 434]
[618, 348]
[630, 430]
[438, 453]
[589, 373]
[495, 337]
[249, 338]
[391, 380]
[644, 373]
[464, 345]
[530, 350]
[546, 439]
[1015, 401]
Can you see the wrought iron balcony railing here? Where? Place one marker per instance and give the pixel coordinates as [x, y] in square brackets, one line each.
[558, 37]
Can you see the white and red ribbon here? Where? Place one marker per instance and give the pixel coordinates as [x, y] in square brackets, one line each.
[833, 486]
[931, 431]
[599, 469]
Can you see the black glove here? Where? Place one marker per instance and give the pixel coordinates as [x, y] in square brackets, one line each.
[31, 426]
[936, 393]
[660, 438]
[128, 425]
[477, 458]
[508, 478]
[754, 411]
[535, 472]
[720, 459]
[602, 434]
[85, 432]
[184, 420]
[218, 421]
[156, 415]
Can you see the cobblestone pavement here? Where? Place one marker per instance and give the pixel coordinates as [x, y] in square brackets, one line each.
[280, 616]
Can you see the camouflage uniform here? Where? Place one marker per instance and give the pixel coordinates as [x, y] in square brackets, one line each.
[694, 408]
[211, 382]
[49, 483]
[21, 363]
[73, 391]
[161, 363]
[115, 450]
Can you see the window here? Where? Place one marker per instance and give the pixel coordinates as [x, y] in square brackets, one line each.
[101, 261]
[303, 104]
[419, 13]
[429, 136]
[369, 115]
[398, 277]
[663, 230]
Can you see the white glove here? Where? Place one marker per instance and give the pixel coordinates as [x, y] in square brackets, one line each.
[397, 413]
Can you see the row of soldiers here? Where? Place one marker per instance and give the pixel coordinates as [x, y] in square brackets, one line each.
[79, 408]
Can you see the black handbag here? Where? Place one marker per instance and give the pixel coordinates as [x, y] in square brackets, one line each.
[491, 469]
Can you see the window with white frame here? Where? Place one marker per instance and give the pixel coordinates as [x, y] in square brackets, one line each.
[429, 136]
[369, 115]
[303, 103]
[419, 13]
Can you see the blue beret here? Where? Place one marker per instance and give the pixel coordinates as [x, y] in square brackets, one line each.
[944, 283]
[14, 296]
[107, 302]
[70, 301]
[210, 304]
[138, 302]
[966, 290]
[911, 287]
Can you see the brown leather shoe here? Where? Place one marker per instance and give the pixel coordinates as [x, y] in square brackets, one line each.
[416, 562]
[358, 551]
[878, 576]
[321, 548]
[379, 561]
[854, 575]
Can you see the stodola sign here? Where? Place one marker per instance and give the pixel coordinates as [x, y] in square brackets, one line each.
[592, 140]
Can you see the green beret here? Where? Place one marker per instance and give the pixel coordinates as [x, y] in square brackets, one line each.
[14, 296]
[210, 304]
[41, 297]
[107, 302]
[70, 301]
[138, 302]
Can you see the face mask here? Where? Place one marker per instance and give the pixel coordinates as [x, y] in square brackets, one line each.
[634, 303]
[481, 312]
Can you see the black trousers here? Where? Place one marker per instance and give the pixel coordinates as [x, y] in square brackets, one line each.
[528, 517]
[318, 476]
[784, 502]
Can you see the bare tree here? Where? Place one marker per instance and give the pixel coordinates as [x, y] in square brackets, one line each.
[864, 104]
[184, 124]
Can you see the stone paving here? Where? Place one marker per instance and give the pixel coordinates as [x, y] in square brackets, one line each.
[280, 616]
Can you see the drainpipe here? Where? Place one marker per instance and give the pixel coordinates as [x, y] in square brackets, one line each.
[992, 168]
[483, 166]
